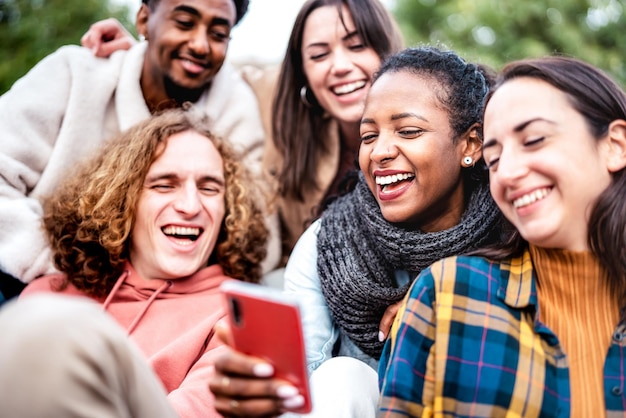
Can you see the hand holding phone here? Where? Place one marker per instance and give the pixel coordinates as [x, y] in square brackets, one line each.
[265, 323]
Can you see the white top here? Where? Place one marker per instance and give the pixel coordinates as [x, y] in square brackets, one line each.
[62, 111]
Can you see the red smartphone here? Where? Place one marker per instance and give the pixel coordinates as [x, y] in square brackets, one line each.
[265, 323]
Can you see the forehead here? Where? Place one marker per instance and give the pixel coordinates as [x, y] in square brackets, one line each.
[324, 24]
[404, 90]
[224, 9]
[189, 152]
[522, 99]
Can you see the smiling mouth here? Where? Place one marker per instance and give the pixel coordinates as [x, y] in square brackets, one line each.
[180, 232]
[388, 183]
[531, 197]
[349, 88]
[193, 66]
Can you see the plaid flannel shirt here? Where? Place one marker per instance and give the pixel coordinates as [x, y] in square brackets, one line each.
[466, 343]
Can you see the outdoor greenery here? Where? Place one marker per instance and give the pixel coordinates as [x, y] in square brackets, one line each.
[493, 32]
[32, 29]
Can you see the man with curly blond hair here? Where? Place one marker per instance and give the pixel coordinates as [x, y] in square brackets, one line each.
[148, 229]
[72, 102]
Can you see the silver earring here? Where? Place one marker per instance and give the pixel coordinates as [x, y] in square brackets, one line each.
[142, 37]
[304, 98]
[468, 160]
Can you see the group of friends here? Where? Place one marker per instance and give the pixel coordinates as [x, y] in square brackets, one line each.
[455, 236]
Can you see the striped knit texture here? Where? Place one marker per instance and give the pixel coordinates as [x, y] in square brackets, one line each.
[576, 304]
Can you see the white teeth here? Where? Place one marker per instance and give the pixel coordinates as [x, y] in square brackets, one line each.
[394, 178]
[349, 88]
[181, 230]
[529, 198]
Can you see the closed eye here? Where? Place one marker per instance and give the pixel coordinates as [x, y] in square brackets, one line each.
[220, 33]
[368, 137]
[357, 47]
[492, 163]
[210, 188]
[411, 132]
[162, 187]
[534, 141]
[185, 24]
[317, 57]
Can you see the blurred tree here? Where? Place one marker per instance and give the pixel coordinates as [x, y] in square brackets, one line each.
[32, 29]
[494, 32]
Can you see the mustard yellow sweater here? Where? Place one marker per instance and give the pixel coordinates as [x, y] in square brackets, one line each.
[576, 304]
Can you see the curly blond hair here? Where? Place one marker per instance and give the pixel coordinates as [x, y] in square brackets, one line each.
[88, 220]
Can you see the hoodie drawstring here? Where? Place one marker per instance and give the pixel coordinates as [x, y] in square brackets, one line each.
[166, 284]
[113, 291]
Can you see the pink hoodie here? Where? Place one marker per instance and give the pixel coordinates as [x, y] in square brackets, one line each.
[172, 323]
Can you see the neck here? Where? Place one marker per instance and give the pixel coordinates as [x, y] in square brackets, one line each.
[162, 93]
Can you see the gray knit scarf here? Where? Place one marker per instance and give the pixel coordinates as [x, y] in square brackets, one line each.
[359, 253]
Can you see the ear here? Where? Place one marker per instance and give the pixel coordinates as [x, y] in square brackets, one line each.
[471, 145]
[141, 21]
[616, 136]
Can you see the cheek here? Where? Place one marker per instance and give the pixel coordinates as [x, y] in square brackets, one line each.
[496, 192]
[363, 158]
[371, 64]
[216, 208]
[219, 51]
[315, 73]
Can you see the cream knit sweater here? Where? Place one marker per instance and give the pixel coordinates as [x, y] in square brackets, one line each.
[63, 110]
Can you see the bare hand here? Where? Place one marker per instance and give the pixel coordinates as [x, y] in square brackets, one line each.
[244, 386]
[387, 321]
[107, 36]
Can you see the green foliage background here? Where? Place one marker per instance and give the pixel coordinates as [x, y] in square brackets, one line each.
[491, 32]
[32, 29]
[494, 32]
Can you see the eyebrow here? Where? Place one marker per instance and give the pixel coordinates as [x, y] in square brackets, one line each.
[350, 36]
[193, 11]
[397, 116]
[345, 38]
[174, 176]
[517, 129]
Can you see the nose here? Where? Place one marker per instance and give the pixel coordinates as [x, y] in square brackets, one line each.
[511, 167]
[187, 200]
[384, 148]
[341, 62]
[199, 42]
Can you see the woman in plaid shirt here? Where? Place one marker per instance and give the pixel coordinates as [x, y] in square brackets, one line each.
[535, 327]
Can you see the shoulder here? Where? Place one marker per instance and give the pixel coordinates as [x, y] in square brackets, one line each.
[229, 82]
[50, 283]
[262, 80]
[307, 243]
[302, 264]
[462, 276]
[80, 62]
[77, 55]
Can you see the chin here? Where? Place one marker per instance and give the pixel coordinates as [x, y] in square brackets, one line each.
[395, 216]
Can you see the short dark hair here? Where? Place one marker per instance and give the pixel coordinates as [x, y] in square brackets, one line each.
[241, 7]
[463, 87]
